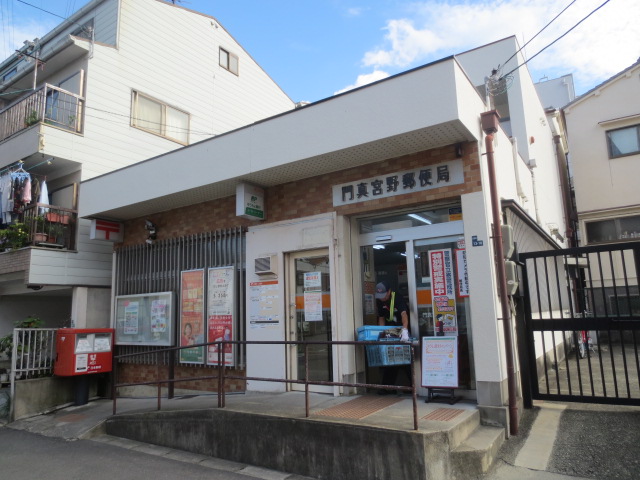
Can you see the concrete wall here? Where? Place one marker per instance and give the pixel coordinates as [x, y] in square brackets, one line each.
[38, 395]
[311, 448]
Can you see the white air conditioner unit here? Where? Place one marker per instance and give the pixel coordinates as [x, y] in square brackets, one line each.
[266, 265]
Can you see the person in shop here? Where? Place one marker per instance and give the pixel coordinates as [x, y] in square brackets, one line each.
[393, 312]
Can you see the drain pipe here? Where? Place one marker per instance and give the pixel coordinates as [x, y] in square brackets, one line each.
[490, 126]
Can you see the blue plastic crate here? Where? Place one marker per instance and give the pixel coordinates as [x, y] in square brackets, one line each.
[383, 355]
[370, 332]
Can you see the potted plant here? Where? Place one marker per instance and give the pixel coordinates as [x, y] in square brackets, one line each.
[15, 236]
[32, 118]
[56, 233]
[40, 234]
[6, 345]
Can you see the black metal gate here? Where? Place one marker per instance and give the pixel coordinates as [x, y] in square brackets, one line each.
[581, 324]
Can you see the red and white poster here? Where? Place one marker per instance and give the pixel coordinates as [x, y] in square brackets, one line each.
[220, 313]
[443, 292]
[192, 316]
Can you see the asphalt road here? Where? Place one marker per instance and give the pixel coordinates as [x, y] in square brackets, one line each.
[600, 442]
[595, 443]
[29, 456]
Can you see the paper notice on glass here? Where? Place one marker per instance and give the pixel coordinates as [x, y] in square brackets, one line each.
[131, 319]
[158, 316]
[312, 280]
[313, 306]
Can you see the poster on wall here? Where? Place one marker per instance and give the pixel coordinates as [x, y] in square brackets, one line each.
[443, 292]
[192, 315]
[220, 313]
[440, 362]
[263, 305]
[462, 273]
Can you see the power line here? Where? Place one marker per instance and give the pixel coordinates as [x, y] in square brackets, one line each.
[542, 30]
[51, 13]
[561, 36]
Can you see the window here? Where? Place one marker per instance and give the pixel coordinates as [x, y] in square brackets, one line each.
[11, 73]
[614, 230]
[624, 141]
[156, 117]
[228, 61]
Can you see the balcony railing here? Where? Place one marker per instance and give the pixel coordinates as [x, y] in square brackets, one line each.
[50, 226]
[49, 104]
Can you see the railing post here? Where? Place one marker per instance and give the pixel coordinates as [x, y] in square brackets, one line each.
[158, 380]
[306, 379]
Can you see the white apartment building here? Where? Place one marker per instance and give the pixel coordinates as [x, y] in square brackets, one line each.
[603, 128]
[118, 82]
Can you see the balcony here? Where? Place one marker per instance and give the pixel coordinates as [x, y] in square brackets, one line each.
[41, 225]
[50, 105]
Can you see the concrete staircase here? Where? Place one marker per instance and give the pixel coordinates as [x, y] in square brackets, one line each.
[475, 454]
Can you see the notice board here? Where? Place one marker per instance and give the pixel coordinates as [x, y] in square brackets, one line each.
[440, 362]
[145, 319]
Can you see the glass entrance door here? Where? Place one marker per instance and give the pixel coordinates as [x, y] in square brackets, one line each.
[309, 288]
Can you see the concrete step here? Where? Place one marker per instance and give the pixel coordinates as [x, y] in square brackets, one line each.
[477, 453]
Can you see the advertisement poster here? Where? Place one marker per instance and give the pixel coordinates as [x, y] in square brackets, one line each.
[440, 362]
[263, 305]
[159, 310]
[192, 316]
[463, 274]
[312, 306]
[131, 318]
[220, 313]
[443, 292]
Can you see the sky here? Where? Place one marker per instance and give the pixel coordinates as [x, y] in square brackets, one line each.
[314, 49]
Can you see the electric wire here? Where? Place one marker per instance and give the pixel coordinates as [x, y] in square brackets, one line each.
[542, 30]
[561, 36]
[51, 13]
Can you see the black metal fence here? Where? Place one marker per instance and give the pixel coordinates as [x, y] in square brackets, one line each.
[581, 324]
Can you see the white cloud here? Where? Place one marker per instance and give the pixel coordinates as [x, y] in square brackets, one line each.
[601, 46]
[355, 11]
[364, 80]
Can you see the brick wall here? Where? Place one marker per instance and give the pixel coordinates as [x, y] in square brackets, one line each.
[132, 373]
[15, 261]
[313, 196]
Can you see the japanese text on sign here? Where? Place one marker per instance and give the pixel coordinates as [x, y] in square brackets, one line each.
[399, 183]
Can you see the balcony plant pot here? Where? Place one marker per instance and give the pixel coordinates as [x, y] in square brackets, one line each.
[55, 217]
[40, 237]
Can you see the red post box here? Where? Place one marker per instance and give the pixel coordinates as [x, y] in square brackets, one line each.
[81, 351]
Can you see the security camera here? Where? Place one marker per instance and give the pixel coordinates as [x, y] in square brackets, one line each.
[149, 225]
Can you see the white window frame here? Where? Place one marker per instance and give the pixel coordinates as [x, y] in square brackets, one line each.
[228, 64]
[135, 94]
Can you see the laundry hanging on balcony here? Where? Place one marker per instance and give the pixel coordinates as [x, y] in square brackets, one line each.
[15, 194]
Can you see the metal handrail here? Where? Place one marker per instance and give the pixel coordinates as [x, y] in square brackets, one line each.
[221, 377]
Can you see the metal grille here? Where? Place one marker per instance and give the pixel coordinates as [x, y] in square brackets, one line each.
[156, 268]
[582, 324]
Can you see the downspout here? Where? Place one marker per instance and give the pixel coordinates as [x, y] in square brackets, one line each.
[490, 126]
